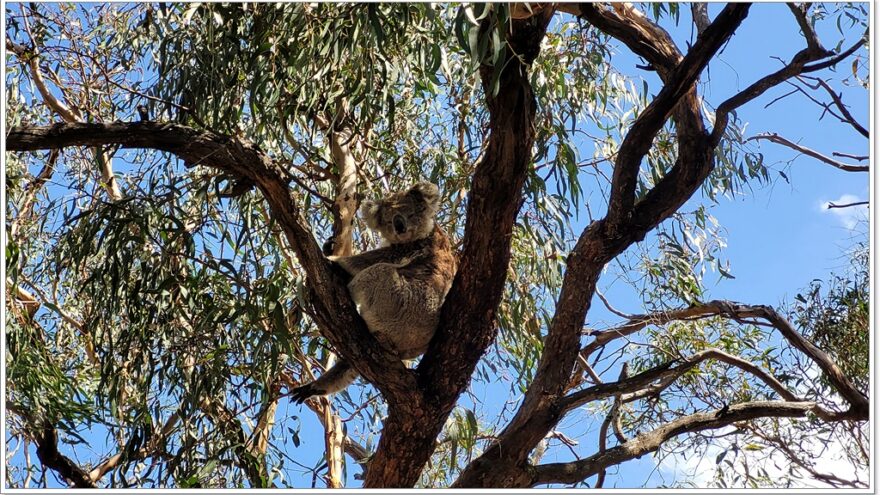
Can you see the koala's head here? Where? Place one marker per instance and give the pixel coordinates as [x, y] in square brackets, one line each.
[404, 216]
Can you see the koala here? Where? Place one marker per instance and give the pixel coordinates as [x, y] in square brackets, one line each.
[398, 288]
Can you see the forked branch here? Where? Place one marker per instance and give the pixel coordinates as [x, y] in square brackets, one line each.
[639, 138]
[845, 115]
[799, 65]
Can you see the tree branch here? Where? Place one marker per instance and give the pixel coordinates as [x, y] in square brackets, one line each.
[639, 138]
[838, 58]
[700, 16]
[250, 461]
[333, 309]
[800, 15]
[604, 240]
[668, 373]
[784, 447]
[467, 319]
[696, 158]
[47, 452]
[846, 115]
[848, 205]
[776, 138]
[860, 158]
[344, 209]
[259, 441]
[858, 402]
[33, 63]
[574, 472]
[797, 66]
[29, 300]
[357, 451]
[346, 203]
[638, 322]
[68, 114]
[31, 190]
[153, 444]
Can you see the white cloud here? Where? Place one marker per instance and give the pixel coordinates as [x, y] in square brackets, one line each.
[848, 217]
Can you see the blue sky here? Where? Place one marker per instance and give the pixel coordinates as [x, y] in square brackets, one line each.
[779, 237]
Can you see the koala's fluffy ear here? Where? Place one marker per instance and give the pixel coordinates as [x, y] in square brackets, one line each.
[370, 213]
[427, 191]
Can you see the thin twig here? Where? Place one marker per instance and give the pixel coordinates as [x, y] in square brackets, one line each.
[847, 117]
[860, 158]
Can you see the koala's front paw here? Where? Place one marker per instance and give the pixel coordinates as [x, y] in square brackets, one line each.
[328, 246]
[304, 392]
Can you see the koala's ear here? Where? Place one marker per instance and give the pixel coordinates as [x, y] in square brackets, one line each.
[427, 191]
[370, 213]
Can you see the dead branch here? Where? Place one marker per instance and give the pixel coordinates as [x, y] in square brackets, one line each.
[857, 401]
[776, 138]
[860, 158]
[848, 205]
[668, 372]
[799, 65]
[846, 116]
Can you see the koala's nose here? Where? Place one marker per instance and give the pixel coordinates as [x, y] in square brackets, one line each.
[399, 224]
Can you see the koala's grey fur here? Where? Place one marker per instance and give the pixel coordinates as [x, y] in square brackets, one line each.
[399, 288]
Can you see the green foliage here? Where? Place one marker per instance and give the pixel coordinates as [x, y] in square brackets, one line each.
[45, 390]
[264, 67]
[835, 316]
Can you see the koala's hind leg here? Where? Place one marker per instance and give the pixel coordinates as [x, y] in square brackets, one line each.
[338, 377]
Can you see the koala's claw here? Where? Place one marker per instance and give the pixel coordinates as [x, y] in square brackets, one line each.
[303, 393]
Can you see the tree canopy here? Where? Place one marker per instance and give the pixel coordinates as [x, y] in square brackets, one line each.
[173, 169]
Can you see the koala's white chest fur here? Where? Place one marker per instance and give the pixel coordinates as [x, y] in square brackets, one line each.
[402, 313]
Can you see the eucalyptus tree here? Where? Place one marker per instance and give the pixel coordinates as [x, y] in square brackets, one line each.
[173, 169]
